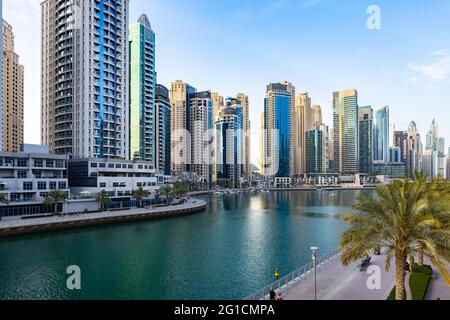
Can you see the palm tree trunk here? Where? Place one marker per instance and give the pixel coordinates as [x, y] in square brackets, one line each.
[56, 208]
[400, 276]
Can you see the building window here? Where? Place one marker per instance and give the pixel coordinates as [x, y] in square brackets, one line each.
[21, 174]
[102, 165]
[28, 197]
[42, 185]
[102, 185]
[130, 166]
[28, 185]
[43, 194]
[38, 163]
[93, 165]
[118, 166]
[62, 185]
[52, 185]
[49, 164]
[111, 165]
[22, 163]
[15, 196]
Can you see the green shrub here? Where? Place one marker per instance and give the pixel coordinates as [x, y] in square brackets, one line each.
[419, 282]
[425, 269]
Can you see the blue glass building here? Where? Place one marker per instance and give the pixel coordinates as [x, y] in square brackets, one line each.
[278, 107]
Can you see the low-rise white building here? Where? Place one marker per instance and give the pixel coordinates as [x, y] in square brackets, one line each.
[28, 176]
[119, 178]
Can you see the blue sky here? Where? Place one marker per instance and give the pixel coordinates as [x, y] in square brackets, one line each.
[319, 45]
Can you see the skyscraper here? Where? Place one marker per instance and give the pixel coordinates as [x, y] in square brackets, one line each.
[218, 104]
[314, 151]
[162, 103]
[229, 145]
[85, 79]
[245, 104]
[381, 134]
[415, 150]
[12, 93]
[302, 122]
[401, 141]
[180, 144]
[201, 135]
[345, 122]
[143, 143]
[366, 140]
[316, 115]
[278, 110]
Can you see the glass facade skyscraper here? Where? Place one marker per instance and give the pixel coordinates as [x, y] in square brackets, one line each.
[85, 79]
[163, 136]
[345, 123]
[314, 151]
[278, 108]
[143, 142]
[230, 145]
[381, 133]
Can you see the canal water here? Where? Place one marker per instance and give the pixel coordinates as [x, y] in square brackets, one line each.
[227, 252]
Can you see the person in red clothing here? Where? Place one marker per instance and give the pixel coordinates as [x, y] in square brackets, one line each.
[279, 297]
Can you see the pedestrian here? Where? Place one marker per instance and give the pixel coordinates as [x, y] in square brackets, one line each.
[280, 297]
[272, 294]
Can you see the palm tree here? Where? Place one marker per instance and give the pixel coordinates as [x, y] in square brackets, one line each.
[402, 220]
[55, 197]
[3, 199]
[140, 194]
[167, 191]
[103, 199]
[180, 189]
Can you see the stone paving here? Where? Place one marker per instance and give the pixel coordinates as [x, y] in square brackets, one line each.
[337, 282]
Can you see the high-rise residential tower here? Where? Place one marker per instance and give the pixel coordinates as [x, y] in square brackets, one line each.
[316, 115]
[245, 104]
[201, 136]
[278, 110]
[229, 145]
[162, 104]
[366, 140]
[85, 78]
[415, 150]
[314, 151]
[180, 145]
[12, 93]
[143, 142]
[381, 135]
[301, 123]
[401, 141]
[345, 123]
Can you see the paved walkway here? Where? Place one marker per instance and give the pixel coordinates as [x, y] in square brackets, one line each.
[12, 223]
[336, 282]
[438, 287]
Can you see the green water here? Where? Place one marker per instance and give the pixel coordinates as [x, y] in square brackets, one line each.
[226, 252]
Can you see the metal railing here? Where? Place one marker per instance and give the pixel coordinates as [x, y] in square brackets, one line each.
[296, 276]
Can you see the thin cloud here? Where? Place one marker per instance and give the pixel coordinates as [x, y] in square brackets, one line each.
[437, 71]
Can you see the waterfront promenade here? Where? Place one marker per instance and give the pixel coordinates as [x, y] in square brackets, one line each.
[16, 226]
[336, 282]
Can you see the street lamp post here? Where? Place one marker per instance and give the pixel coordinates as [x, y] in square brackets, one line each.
[314, 251]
